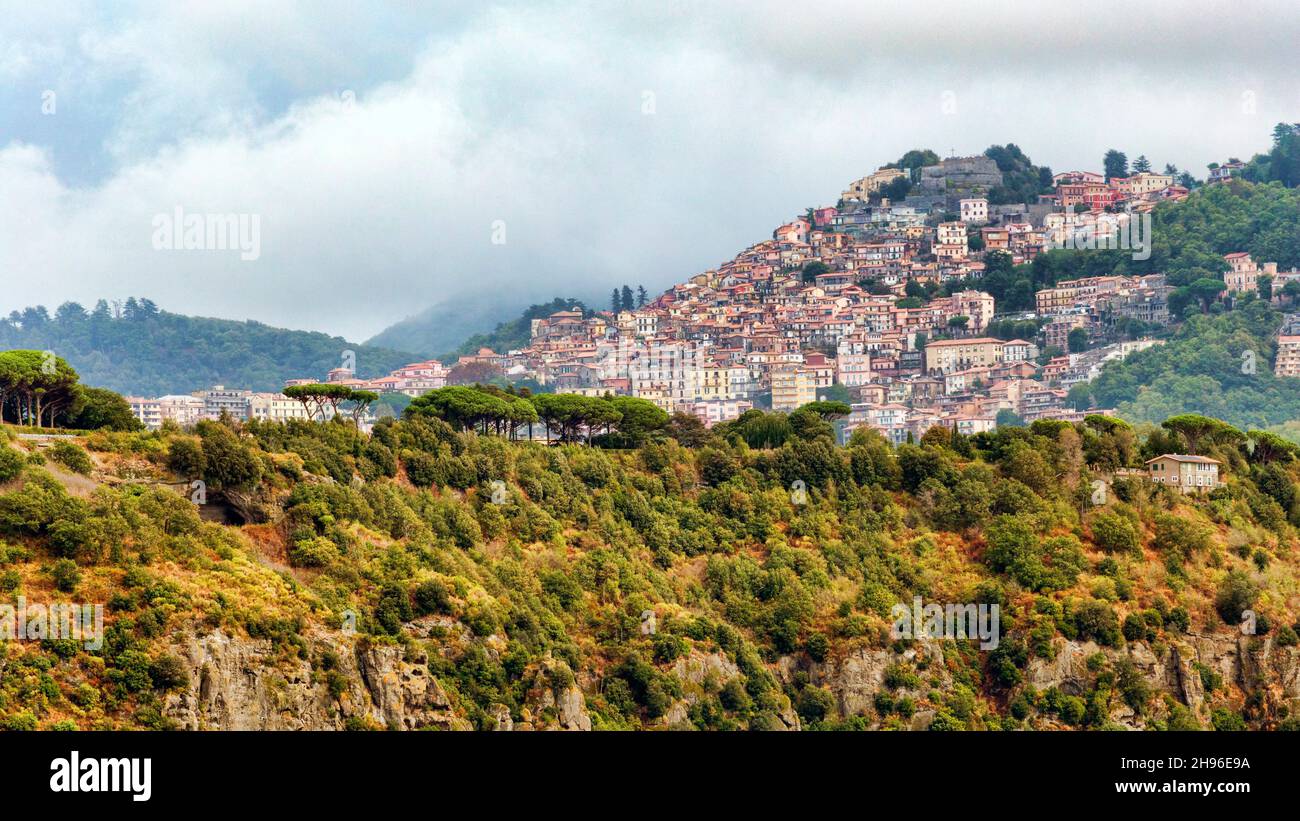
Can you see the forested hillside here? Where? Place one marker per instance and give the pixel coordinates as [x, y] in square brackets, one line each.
[1219, 365]
[152, 352]
[428, 576]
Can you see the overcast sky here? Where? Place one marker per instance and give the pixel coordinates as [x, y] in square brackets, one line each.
[606, 142]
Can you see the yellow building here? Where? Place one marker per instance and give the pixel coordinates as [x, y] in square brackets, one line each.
[793, 387]
[1144, 183]
[1056, 300]
[275, 407]
[721, 382]
[950, 355]
[861, 190]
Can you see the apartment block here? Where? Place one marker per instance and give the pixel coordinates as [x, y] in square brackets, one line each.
[946, 356]
[1288, 356]
[793, 387]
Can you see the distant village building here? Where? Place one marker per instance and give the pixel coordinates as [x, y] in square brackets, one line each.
[974, 210]
[1225, 172]
[793, 387]
[950, 242]
[1243, 273]
[1288, 355]
[861, 190]
[719, 410]
[275, 407]
[148, 411]
[1141, 183]
[1018, 350]
[220, 399]
[947, 355]
[961, 173]
[183, 409]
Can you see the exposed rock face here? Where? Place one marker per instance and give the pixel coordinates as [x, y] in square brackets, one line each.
[1250, 663]
[239, 683]
[697, 672]
[570, 707]
[698, 667]
[1068, 672]
[855, 679]
[244, 684]
[858, 676]
[402, 694]
[1246, 662]
[555, 703]
[702, 672]
[501, 714]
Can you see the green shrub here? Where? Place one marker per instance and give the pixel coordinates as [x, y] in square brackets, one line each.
[167, 672]
[815, 704]
[11, 463]
[66, 575]
[817, 646]
[1115, 534]
[1236, 594]
[314, 552]
[19, 722]
[433, 596]
[72, 457]
[1226, 721]
[1097, 621]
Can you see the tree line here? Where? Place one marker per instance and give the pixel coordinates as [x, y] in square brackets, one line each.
[567, 417]
[40, 389]
[624, 300]
[136, 347]
[316, 396]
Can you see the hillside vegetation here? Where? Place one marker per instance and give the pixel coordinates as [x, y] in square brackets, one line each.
[1219, 365]
[152, 352]
[425, 576]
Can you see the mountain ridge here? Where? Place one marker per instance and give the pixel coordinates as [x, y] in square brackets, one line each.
[146, 350]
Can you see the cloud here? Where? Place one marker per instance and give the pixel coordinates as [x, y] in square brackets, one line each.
[616, 143]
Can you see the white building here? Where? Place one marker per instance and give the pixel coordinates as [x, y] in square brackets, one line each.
[713, 411]
[182, 409]
[148, 411]
[975, 211]
[275, 407]
[220, 399]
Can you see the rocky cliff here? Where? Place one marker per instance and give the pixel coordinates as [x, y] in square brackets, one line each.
[339, 682]
[240, 683]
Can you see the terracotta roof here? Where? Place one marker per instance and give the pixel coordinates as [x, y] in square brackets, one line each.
[1183, 457]
[983, 340]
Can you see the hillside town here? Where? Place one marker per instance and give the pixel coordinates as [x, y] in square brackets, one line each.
[872, 302]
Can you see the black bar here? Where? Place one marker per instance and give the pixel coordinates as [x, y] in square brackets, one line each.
[230, 771]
